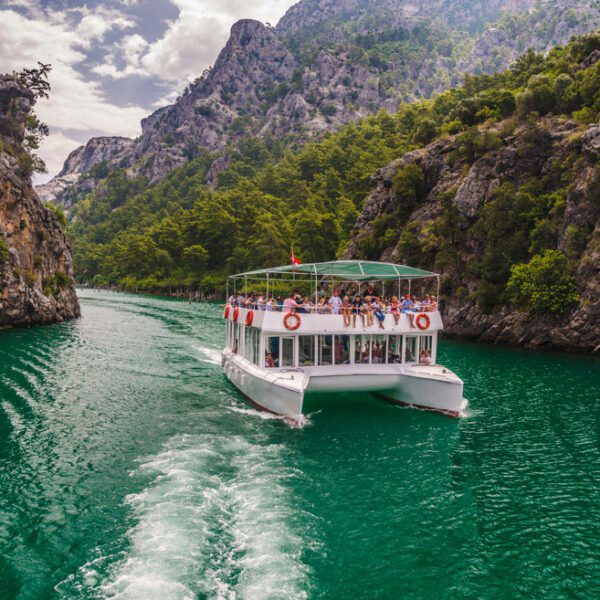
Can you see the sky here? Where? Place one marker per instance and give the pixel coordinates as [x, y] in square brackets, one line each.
[115, 61]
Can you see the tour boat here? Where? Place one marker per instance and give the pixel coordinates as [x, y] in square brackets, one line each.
[279, 359]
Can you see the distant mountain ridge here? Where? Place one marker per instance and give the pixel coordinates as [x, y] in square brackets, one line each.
[325, 64]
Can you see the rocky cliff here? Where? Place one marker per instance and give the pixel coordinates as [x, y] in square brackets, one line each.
[469, 213]
[325, 64]
[36, 285]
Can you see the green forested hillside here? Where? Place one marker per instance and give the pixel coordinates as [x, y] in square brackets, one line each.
[182, 233]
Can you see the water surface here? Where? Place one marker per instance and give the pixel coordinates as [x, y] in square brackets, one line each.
[130, 468]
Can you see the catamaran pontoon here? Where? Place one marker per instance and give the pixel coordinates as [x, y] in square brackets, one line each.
[276, 358]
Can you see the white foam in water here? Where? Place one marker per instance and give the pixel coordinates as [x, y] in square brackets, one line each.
[261, 414]
[211, 355]
[213, 523]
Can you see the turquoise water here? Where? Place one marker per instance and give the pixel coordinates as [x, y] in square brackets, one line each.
[129, 468]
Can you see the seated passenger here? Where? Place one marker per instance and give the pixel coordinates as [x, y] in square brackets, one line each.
[378, 312]
[367, 311]
[323, 307]
[395, 309]
[357, 310]
[269, 362]
[272, 305]
[407, 307]
[303, 304]
[346, 310]
[433, 305]
[424, 357]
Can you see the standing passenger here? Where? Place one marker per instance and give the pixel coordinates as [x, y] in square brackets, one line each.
[335, 302]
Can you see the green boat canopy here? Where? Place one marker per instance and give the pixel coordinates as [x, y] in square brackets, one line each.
[349, 270]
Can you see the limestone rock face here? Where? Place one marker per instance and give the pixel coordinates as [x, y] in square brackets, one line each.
[36, 285]
[312, 73]
[471, 187]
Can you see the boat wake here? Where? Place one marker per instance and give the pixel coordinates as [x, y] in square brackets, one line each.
[216, 521]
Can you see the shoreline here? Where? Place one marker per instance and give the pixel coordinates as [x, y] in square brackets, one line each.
[474, 337]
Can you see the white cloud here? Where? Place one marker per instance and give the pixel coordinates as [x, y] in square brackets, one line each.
[191, 42]
[95, 25]
[76, 104]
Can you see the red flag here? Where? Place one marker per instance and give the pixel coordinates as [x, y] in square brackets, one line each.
[295, 261]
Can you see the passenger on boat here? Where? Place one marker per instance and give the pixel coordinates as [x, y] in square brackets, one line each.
[269, 362]
[323, 307]
[272, 305]
[261, 303]
[367, 310]
[370, 291]
[303, 304]
[395, 309]
[376, 308]
[346, 310]
[335, 302]
[407, 307]
[357, 310]
[424, 357]
[290, 304]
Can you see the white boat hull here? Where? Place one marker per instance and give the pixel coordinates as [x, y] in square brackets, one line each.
[282, 391]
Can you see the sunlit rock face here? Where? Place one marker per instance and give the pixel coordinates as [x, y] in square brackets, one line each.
[471, 187]
[319, 68]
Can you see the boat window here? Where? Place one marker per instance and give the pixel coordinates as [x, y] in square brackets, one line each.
[256, 348]
[271, 352]
[362, 347]
[395, 349]
[236, 339]
[426, 343]
[341, 352]
[425, 349]
[325, 350]
[412, 348]
[247, 342]
[287, 352]
[306, 351]
[379, 348]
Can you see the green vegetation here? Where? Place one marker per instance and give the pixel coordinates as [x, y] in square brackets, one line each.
[181, 233]
[57, 211]
[4, 255]
[25, 137]
[543, 285]
[53, 286]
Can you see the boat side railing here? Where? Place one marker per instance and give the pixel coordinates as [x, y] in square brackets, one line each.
[320, 310]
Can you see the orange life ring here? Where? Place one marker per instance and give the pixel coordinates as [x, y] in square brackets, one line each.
[288, 317]
[236, 314]
[425, 317]
[249, 318]
[226, 313]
